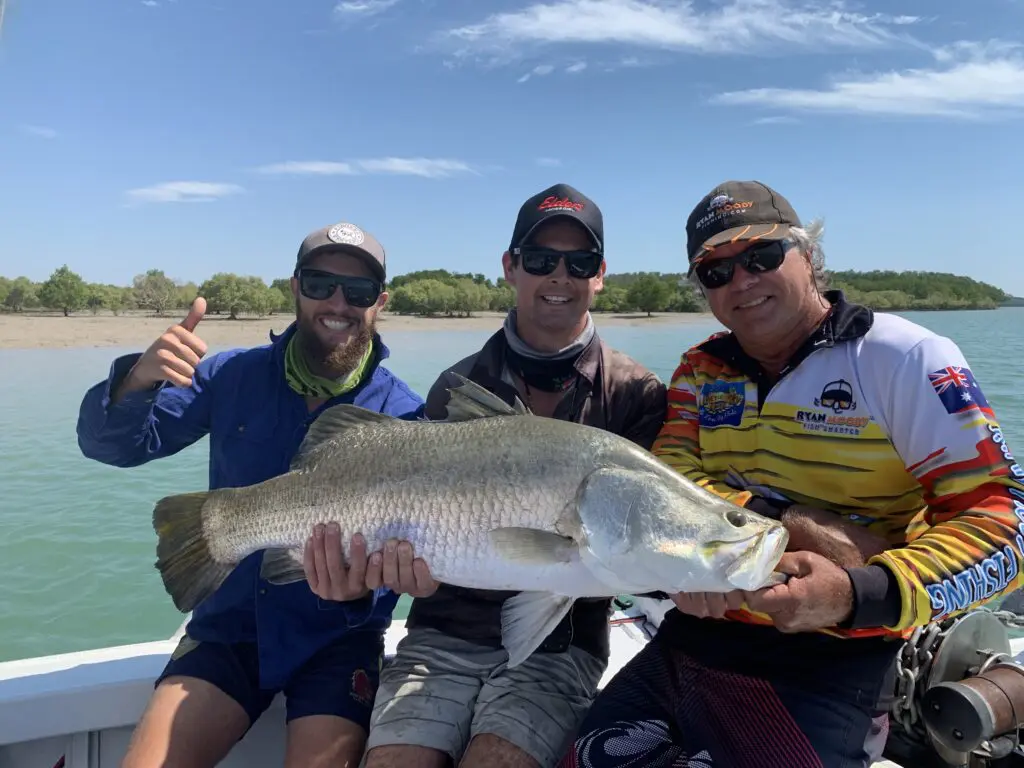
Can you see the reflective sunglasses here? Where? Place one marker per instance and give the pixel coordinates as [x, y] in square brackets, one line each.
[765, 257]
[358, 291]
[543, 261]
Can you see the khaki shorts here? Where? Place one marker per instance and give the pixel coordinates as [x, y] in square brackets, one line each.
[439, 692]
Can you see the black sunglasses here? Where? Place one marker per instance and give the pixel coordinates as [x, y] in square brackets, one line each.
[543, 261]
[764, 257]
[360, 292]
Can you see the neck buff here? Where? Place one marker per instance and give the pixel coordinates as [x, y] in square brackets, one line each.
[301, 379]
[546, 371]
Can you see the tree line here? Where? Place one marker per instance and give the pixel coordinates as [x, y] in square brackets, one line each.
[438, 292]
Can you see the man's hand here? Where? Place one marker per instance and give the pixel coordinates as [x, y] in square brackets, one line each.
[706, 605]
[173, 357]
[819, 594]
[828, 534]
[397, 570]
[326, 573]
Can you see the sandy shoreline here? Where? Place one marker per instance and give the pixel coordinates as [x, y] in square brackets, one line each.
[39, 331]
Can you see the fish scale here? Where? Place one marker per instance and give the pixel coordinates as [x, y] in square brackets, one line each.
[492, 497]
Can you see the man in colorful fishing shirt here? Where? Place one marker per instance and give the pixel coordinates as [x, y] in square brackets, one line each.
[810, 407]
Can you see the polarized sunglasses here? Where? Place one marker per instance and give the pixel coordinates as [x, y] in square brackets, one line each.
[543, 261]
[360, 292]
[764, 257]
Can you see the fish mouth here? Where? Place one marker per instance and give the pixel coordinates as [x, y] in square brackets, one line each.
[754, 559]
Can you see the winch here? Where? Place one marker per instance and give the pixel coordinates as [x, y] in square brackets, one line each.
[959, 698]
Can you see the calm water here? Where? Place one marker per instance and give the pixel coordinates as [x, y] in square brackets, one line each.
[76, 542]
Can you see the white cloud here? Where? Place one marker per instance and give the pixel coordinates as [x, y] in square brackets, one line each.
[310, 168]
[407, 166]
[579, 66]
[971, 80]
[183, 192]
[776, 120]
[150, 3]
[363, 7]
[548, 162]
[539, 71]
[732, 26]
[39, 131]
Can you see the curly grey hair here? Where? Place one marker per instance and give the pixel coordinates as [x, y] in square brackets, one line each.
[808, 239]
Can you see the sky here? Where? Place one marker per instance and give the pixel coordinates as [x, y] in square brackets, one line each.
[197, 136]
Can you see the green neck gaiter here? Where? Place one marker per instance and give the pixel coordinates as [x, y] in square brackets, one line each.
[305, 382]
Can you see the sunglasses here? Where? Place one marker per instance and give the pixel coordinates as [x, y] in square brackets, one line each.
[765, 257]
[543, 261]
[360, 292]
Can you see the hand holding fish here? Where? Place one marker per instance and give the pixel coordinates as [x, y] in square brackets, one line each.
[326, 573]
[397, 570]
[173, 357]
[705, 605]
[818, 594]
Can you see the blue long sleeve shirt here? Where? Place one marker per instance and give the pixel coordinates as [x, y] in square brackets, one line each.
[255, 422]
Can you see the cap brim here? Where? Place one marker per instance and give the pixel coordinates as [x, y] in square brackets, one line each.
[354, 250]
[554, 217]
[747, 232]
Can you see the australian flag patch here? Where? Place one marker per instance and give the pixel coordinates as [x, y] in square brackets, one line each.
[957, 389]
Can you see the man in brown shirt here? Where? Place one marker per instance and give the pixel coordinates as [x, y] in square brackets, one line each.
[448, 695]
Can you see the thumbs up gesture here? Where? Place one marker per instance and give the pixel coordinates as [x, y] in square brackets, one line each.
[173, 357]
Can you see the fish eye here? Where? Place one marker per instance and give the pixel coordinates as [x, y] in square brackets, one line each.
[736, 517]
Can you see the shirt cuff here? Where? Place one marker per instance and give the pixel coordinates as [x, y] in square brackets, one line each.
[876, 598]
[120, 368]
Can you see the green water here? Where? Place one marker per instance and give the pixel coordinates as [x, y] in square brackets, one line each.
[76, 543]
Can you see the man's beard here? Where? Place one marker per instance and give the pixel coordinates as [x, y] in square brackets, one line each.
[334, 362]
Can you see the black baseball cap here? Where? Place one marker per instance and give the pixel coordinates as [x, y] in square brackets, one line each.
[345, 238]
[558, 201]
[737, 210]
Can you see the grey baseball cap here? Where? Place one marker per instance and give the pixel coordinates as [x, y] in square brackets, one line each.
[345, 238]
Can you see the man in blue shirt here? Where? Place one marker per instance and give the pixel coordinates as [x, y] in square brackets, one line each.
[251, 640]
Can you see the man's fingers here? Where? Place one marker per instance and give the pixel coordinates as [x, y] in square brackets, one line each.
[391, 565]
[320, 564]
[375, 571]
[183, 349]
[734, 600]
[171, 363]
[357, 565]
[195, 314]
[406, 577]
[421, 574]
[332, 555]
[310, 567]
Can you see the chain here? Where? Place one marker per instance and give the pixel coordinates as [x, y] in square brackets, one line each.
[913, 664]
[1009, 619]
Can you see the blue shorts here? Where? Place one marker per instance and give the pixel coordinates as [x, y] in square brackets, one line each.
[339, 680]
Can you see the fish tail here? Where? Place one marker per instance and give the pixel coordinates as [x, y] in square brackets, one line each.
[189, 572]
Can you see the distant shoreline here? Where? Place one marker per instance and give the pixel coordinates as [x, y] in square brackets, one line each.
[51, 330]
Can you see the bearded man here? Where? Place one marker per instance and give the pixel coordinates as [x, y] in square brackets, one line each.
[251, 640]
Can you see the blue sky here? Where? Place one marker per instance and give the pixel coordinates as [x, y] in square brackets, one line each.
[197, 136]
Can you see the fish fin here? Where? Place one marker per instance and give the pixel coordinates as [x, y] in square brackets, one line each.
[282, 566]
[528, 545]
[332, 423]
[527, 618]
[188, 571]
[468, 400]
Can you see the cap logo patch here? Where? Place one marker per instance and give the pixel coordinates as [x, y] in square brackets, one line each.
[720, 208]
[555, 203]
[346, 234]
